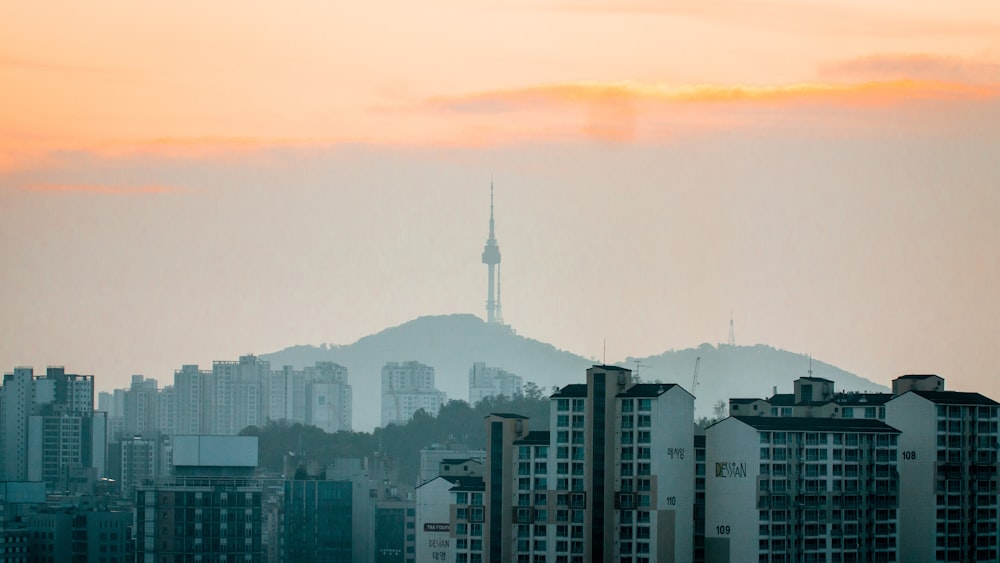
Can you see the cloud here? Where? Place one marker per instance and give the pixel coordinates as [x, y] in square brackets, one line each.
[651, 111]
[100, 189]
[586, 93]
[920, 66]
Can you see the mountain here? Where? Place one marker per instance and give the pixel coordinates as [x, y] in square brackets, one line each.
[741, 371]
[452, 343]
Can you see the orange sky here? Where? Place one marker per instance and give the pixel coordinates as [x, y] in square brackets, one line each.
[117, 74]
[796, 156]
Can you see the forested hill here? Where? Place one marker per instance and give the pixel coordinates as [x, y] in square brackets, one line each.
[399, 445]
[452, 343]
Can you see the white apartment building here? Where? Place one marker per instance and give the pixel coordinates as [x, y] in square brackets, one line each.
[234, 395]
[487, 381]
[450, 516]
[329, 397]
[406, 388]
[799, 489]
[612, 481]
[948, 469]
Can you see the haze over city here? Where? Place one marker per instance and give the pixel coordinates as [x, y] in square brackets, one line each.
[182, 183]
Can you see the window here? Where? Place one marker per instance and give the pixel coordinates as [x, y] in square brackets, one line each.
[476, 514]
[645, 405]
[644, 421]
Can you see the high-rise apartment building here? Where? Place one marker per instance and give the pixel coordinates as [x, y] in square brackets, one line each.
[406, 388]
[141, 406]
[16, 404]
[487, 381]
[234, 395]
[789, 489]
[190, 397]
[948, 471]
[49, 429]
[328, 397]
[592, 489]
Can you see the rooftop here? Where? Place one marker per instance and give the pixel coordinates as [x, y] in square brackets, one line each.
[534, 437]
[506, 415]
[816, 424]
[459, 461]
[646, 390]
[571, 390]
[956, 398]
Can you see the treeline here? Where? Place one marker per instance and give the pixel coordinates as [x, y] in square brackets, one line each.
[457, 423]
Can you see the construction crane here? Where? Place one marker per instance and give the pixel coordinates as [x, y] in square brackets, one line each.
[694, 380]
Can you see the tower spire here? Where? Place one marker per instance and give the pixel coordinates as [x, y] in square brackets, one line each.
[491, 257]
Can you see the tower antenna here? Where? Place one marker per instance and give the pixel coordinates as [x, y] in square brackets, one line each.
[491, 257]
[732, 331]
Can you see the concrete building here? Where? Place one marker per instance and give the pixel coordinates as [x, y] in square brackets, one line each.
[166, 411]
[329, 403]
[406, 388]
[16, 404]
[190, 396]
[592, 489]
[491, 382]
[347, 500]
[72, 535]
[948, 468]
[138, 460]
[699, 498]
[210, 509]
[395, 531]
[450, 520]
[318, 521]
[49, 429]
[236, 391]
[814, 397]
[791, 489]
[141, 406]
[447, 459]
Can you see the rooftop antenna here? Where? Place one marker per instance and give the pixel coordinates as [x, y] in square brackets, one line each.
[810, 365]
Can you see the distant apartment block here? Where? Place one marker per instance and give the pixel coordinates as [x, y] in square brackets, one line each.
[487, 381]
[406, 388]
[49, 430]
[234, 395]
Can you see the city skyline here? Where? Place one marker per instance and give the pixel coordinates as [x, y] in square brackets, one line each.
[177, 190]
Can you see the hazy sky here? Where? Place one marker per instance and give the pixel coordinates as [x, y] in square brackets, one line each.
[182, 182]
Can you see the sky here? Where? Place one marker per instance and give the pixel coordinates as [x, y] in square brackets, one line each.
[183, 182]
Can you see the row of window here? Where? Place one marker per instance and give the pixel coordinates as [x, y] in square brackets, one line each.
[825, 438]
